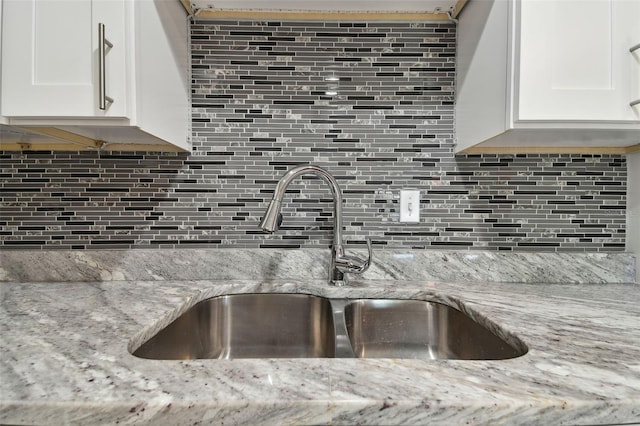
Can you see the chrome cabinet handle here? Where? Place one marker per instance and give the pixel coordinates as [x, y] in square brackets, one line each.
[102, 68]
[633, 49]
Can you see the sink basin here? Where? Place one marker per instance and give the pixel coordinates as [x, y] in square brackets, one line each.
[387, 328]
[248, 326]
[273, 325]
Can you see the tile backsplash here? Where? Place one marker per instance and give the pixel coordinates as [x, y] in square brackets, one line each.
[260, 107]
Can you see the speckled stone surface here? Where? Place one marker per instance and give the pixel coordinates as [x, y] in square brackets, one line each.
[65, 359]
[194, 264]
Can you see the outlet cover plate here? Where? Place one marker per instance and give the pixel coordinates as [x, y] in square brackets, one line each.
[409, 205]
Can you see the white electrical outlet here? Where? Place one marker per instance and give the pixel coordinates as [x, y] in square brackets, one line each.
[409, 205]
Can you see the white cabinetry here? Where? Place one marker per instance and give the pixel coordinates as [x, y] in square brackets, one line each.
[577, 65]
[548, 76]
[109, 73]
[50, 66]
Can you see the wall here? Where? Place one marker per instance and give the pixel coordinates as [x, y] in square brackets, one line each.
[260, 107]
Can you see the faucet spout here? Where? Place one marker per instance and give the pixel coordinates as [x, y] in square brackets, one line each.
[272, 218]
[340, 263]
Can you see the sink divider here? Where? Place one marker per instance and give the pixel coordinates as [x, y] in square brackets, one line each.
[343, 347]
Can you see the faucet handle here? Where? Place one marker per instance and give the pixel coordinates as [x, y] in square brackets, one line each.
[353, 264]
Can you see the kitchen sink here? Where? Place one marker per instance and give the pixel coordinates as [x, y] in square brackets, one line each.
[248, 326]
[387, 328]
[275, 325]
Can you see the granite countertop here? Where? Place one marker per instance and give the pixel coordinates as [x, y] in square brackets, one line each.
[66, 358]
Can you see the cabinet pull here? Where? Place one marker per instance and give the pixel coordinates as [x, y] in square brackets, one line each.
[633, 49]
[102, 68]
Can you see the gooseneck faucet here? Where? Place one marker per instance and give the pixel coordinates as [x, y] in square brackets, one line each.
[341, 263]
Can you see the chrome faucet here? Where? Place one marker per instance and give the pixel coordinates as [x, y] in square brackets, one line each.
[341, 263]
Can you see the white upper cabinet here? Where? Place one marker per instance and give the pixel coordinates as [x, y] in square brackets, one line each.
[574, 59]
[51, 69]
[113, 72]
[548, 76]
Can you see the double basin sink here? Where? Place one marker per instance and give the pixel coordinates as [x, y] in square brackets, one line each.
[274, 325]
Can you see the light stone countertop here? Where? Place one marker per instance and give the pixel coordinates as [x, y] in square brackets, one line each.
[66, 359]
[232, 263]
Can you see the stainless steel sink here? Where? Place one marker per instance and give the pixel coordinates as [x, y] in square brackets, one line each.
[247, 326]
[386, 328]
[269, 325]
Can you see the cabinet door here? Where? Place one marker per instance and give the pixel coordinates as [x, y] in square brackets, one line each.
[574, 60]
[50, 58]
